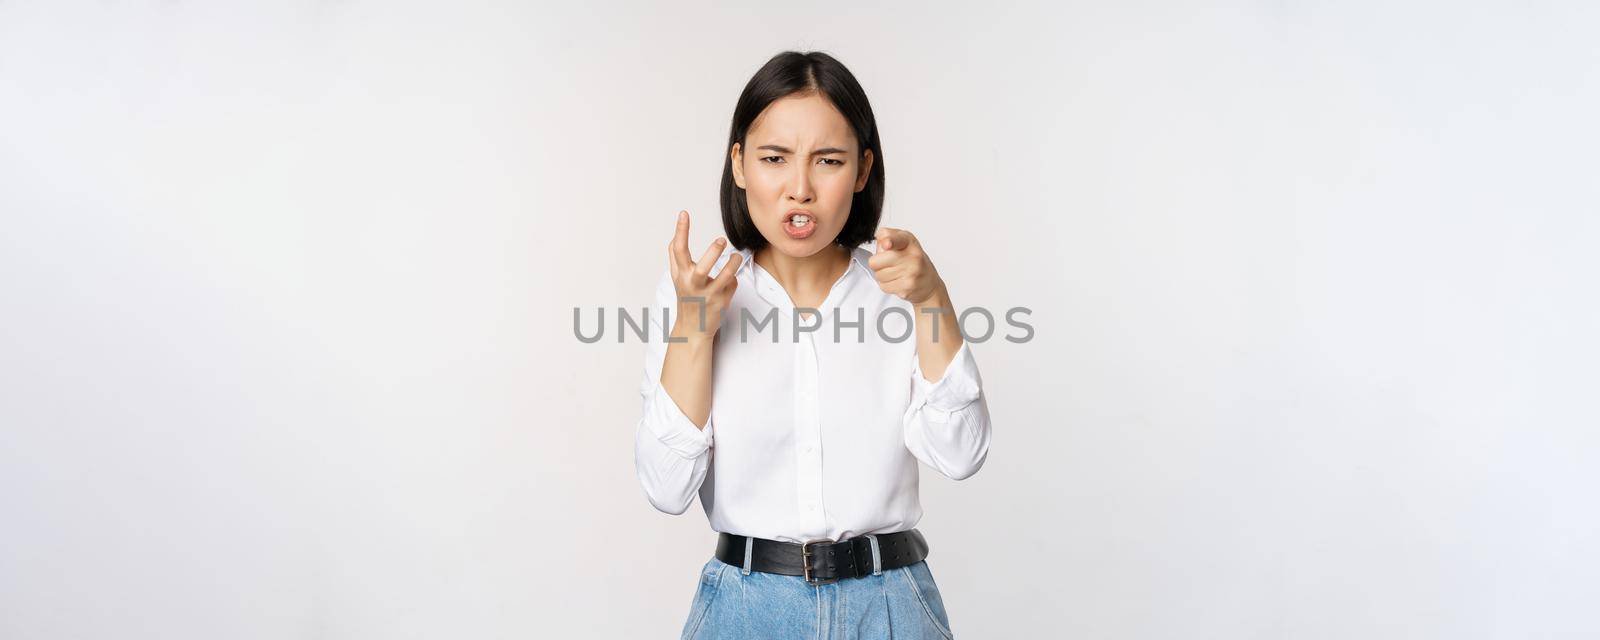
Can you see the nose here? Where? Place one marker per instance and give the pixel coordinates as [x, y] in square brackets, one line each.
[800, 187]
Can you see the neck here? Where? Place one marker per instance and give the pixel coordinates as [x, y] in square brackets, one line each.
[815, 272]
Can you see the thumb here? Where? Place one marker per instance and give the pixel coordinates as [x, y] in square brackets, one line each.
[883, 239]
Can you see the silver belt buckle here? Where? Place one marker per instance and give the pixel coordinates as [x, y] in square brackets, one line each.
[805, 562]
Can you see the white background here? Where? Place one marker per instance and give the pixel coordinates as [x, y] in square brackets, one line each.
[286, 292]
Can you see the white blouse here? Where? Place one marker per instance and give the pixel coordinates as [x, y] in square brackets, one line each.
[809, 438]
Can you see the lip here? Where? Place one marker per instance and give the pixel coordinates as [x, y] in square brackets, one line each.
[801, 234]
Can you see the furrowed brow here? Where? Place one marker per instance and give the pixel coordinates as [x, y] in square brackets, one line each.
[819, 152]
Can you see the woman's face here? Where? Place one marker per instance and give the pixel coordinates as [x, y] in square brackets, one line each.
[802, 157]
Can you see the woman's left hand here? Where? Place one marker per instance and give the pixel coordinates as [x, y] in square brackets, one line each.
[903, 269]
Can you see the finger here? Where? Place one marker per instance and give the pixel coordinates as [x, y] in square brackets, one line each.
[890, 274]
[897, 239]
[672, 260]
[680, 243]
[884, 259]
[702, 269]
[894, 286]
[882, 237]
[726, 278]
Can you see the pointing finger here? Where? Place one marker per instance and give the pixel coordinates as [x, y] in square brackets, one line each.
[895, 239]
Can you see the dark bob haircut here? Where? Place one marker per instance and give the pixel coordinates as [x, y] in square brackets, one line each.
[790, 73]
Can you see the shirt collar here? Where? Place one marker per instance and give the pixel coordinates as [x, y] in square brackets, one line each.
[859, 255]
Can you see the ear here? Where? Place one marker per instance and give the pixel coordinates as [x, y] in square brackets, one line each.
[736, 158]
[866, 170]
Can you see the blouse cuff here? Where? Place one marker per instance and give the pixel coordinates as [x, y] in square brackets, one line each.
[674, 429]
[958, 387]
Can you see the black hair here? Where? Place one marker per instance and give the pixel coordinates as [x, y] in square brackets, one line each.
[789, 73]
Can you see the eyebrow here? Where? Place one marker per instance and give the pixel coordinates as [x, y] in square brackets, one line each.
[819, 152]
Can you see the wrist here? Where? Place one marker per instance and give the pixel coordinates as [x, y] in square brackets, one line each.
[687, 329]
[696, 321]
[938, 298]
[696, 341]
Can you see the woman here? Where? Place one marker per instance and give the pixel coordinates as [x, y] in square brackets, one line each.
[833, 370]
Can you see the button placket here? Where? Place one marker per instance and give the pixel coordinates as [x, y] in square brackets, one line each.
[808, 436]
[807, 412]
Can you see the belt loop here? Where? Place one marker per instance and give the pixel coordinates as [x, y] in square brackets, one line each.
[749, 544]
[877, 561]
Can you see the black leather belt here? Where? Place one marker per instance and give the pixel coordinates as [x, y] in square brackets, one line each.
[824, 561]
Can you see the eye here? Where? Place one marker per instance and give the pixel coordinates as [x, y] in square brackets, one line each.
[768, 158]
[833, 162]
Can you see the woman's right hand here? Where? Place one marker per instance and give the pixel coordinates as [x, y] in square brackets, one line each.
[693, 279]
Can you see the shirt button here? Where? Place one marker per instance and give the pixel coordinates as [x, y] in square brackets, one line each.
[811, 506]
[808, 448]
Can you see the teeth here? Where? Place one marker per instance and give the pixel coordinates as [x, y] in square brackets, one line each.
[800, 220]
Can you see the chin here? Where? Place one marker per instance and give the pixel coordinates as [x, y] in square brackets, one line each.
[801, 248]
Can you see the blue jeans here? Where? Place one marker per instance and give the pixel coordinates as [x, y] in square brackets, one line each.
[902, 603]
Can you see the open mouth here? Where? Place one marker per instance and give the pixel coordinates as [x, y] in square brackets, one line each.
[799, 224]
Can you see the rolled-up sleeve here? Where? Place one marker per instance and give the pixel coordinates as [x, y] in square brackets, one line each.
[670, 454]
[947, 423]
